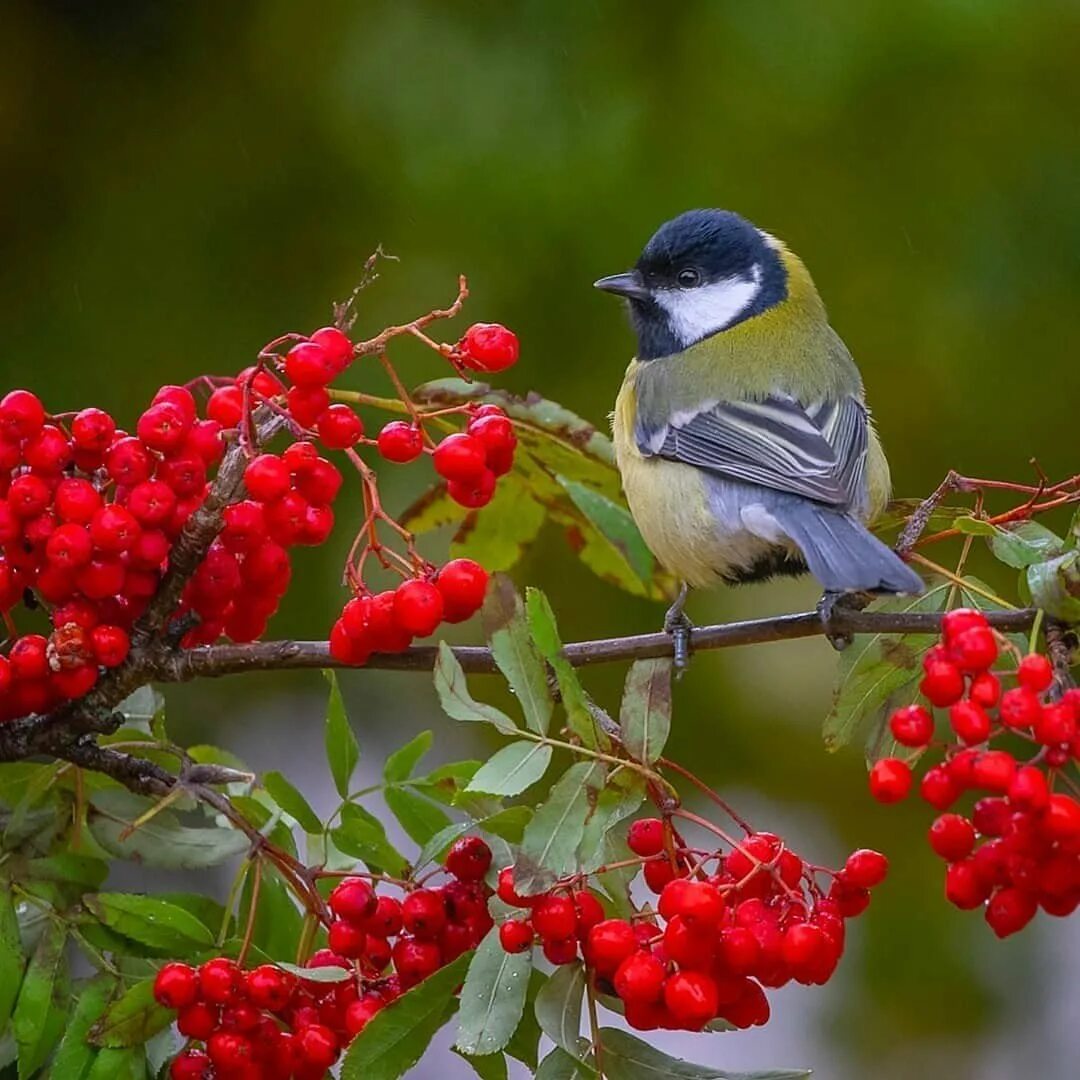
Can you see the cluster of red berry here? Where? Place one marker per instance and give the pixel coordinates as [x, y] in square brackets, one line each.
[267, 1024]
[716, 939]
[1018, 848]
[89, 514]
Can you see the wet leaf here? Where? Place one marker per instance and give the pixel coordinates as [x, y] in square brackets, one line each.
[558, 1006]
[457, 702]
[559, 1065]
[486, 1066]
[342, 749]
[513, 769]
[645, 713]
[42, 1003]
[150, 921]
[132, 1020]
[75, 1053]
[493, 997]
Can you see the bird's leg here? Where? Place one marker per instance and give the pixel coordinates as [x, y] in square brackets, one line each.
[826, 609]
[679, 626]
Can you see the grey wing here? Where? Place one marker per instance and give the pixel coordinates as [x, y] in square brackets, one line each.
[817, 451]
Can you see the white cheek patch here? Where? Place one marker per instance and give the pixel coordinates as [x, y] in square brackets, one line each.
[696, 313]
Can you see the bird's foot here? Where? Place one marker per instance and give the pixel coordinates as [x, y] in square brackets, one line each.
[679, 627]
[826, 609]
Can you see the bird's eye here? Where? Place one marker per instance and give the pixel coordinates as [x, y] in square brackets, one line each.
[687, 277]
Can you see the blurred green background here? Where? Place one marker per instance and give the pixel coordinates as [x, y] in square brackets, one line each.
[185, 181]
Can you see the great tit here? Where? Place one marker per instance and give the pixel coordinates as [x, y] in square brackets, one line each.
[741, 430]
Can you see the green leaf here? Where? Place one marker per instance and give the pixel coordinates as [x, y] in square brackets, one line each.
[645, 713]
[524, 1044]
[616, 883]
[616, 526]
[545, 634]
[513, 769]
[558, 1006]
[401, 763]
[493, 997]
[342, 749]
[973, 526]
[329, 974]
[1055, 586]
[1019, 545]
[498, 536]
[292, 802]
[440, 843]
[160, 841]
[75, 1054]
[879, 667]
[41, 1001]
[515, 653]
[133, 1019]
[549, 848]
[278, 922]
[12, 961]
[457, 702]
[419, 817]
[362, 836]
[150, 921]
[614, 804]
[395, 1039]
[119, 1065]
[82, 871]
[559, 1065]
[487, 1066]
[627, 1057]
[509, 824]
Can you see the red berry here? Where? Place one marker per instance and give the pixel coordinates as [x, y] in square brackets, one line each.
[339, 427]
[963, 886]
[803, 946]
[386, 920]
[48, 451]
[415, 960]
[589, 911]
[473, 493]
[555, 918]
[560, 952]
[952, 837]
[1010, 910]
[1061, 818]
[462, 584]
[460, 458]
[943, 683]
[646, 837]
[975, 649]
[352, 900]
[21, 415]
[360, 1012]
[890, 780]
[176, 986]
[198, 1021]
[994, 770]
[335, 344]
[267, 477]
[609, 943]
[269, 987]
[219, 981]
[69, 546]
[691, 998]
[309, 364]
[1035, 672]
[658, 873]
[1028, 789]
[318, 1047]
[1020, 708]
[738, 950]
[640, 978]
[400, 441]
[696, 901]
[76, 500]
[1056, 724]
[488, 347]
[307, 403]
[956, 622]
[318, 481]
[226, 406]
[110, 645]
[163, 426]
[516, 935]
[468, 859]
[190, 1065]
[418, 607]
[92, 430]
[912, 725]
[508, 894]
[152, 502]
[347, 939]
[424, 913]
[970, 721]
[866, 868]
[28, 657]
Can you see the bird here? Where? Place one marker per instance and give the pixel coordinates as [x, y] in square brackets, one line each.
[741, 430]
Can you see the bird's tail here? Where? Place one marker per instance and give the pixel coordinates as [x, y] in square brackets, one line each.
[842, 555]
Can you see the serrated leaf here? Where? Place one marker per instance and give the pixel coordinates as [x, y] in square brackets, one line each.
[497, 536]
[150, 921]
[645, 713]
[559, 1065]
[395, 1039]
[75, 1054]
[627, 1057]
[363, 836]
[133, 1019]
[342, 749]
[513, 769]
[1055, 586]
[558, 1006]
[41, 1000]
[160, 841]
[549, 848]
[524, 1044]
[419, 817]
[401, 763]
[877, 667]
[493, 997]
[457, 702]
[12, 961]
[289, 798]
[545, 634]
[515, 654]
[82, 871]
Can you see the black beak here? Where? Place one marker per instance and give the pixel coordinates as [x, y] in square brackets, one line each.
[629, 285]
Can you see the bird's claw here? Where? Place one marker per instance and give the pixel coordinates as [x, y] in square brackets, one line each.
[679, 627]
[826, 609]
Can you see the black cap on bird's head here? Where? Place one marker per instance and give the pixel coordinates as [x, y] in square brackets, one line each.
[701, 273]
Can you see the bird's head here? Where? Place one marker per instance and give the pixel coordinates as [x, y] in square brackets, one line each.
[701, 273]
